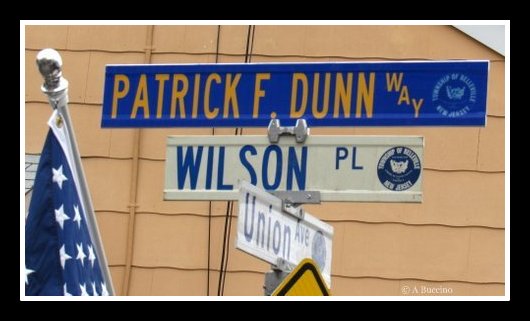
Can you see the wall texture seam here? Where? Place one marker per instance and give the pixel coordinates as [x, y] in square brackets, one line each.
[342, 276]
[229, 54]
[92, 104]
[153, 159]
[325, 220]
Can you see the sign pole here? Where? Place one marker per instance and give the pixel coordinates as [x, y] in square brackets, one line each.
[273, 278]
[56, 88]
[291, 200]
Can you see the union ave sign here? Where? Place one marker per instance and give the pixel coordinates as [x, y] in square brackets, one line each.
[266, 232]
[342, 168]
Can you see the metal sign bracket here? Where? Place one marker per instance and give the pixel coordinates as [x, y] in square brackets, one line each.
[291, 200]
[300, 130]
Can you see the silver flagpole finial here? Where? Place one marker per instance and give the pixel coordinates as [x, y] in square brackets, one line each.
[50, 66]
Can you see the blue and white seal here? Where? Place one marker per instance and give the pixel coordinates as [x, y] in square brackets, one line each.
[454, 95]
[318, 250]
[399, 168]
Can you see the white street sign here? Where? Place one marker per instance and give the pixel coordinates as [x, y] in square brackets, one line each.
[341, 168]
[268, 233]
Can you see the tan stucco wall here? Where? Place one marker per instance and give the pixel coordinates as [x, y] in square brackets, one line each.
[454, 239]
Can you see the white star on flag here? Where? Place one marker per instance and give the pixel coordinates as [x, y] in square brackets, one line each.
[77, 216]
[28, 272]
[83, 289]
[63, 256]
[66, 292]
[91, 255]
[60, 217]
[104, 291]
[80, 254]
[58, 176]
[94, 289]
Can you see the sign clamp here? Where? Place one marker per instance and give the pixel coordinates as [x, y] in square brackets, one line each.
[299, 130]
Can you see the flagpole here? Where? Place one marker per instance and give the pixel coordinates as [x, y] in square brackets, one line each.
[56, 88]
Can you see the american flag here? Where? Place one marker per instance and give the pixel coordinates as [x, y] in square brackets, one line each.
[60, 255]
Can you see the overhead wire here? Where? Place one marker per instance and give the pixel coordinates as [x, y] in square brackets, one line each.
[230, 204]
[210, 202]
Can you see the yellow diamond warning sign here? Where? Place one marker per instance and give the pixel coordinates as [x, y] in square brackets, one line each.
[304, 280]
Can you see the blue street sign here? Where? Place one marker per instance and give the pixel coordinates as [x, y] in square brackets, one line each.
[441, 93]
